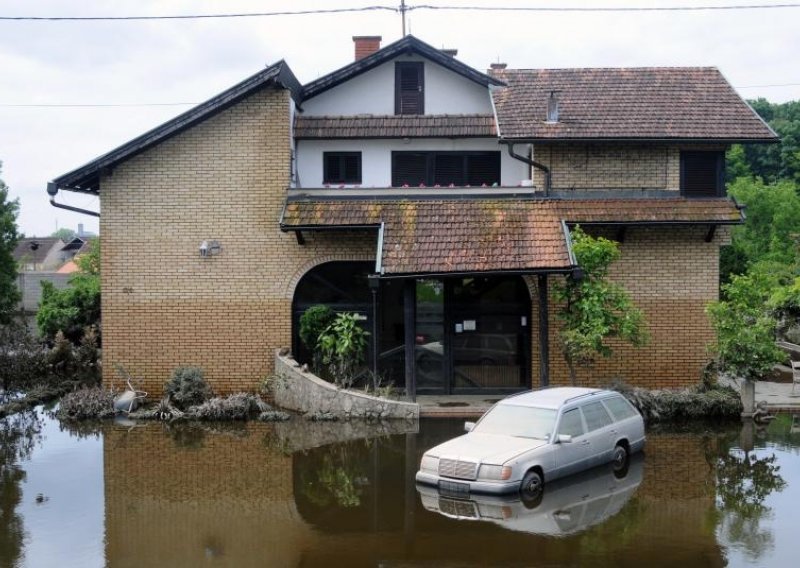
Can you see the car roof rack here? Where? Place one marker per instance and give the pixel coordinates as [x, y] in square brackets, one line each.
[577, 396]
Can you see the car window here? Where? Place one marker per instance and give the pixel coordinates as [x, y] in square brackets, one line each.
[571, 423]
[596, 416]
[620, 408]
[520, 421]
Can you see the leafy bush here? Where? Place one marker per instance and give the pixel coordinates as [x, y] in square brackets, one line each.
[86, 403]
[187, 387]
[76, 307]
[746, 327]
[274, 416]
[239, 406]
[313, 322]
[342, 346]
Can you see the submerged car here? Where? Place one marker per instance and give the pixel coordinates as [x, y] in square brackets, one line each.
[528, 439]
[566, 506]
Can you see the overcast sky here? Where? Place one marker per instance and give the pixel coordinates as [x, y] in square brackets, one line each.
[135, 62]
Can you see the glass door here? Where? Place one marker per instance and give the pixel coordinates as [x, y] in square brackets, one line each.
[490, 333]
[429, 336]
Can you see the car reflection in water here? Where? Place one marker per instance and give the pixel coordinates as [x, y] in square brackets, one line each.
[566, 506]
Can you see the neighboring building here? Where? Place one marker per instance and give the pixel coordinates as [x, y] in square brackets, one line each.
[38, 254]
[432, 198]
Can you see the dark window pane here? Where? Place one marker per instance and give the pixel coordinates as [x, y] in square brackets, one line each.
[342, 167]
[701, 173]
[571, 423]
[483, 169]
[409, 168]
[449, 168]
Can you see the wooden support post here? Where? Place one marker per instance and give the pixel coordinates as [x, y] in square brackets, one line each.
[544, 339]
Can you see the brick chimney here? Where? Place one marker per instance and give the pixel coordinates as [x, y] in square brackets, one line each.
[366, 45]
[498, 66]
[450, 52]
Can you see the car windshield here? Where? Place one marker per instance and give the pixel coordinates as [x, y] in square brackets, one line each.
[519, 421]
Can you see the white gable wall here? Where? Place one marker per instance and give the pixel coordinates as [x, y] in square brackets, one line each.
[376, 158]
[373, 93]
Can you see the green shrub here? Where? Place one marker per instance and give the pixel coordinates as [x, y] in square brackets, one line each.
[313, 322]
[274, 416]
[342, 346]
[187, 387]
[86, 404]
[686, 404]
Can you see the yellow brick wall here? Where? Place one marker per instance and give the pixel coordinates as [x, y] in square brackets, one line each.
[607, 166]
[672, 274]
[164, 306]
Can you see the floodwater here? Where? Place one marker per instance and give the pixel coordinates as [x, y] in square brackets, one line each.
[333, 494]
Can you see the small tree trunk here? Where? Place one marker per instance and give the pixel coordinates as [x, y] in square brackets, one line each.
[572, 371]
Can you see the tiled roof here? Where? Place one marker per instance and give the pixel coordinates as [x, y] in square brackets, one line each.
[35, 250]
[627, 103]
[475, 235]
[395, 126]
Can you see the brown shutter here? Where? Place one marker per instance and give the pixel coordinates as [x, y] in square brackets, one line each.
[409, 168]
[409, 88]
[702, 174]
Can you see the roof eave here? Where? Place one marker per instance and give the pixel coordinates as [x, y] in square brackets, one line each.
[649, 139]
[85, 179]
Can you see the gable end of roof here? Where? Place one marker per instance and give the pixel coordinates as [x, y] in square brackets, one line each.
[86, 179]
[408, 44]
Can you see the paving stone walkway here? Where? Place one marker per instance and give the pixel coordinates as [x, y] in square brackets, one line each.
[778, 396]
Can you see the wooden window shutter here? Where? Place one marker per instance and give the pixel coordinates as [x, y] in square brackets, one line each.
[483, 169]
[341, 167]
[409, 168]
[702, 174]
[409, 86]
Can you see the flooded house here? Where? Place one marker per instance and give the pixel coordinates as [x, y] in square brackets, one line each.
[435, 200]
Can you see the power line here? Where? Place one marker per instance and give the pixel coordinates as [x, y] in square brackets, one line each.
[406, 8]
[602, 8]
[89, 105]
[766, 86]
[200, 16]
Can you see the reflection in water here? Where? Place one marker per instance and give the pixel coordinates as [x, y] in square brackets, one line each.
[566, 506]
[309, 494]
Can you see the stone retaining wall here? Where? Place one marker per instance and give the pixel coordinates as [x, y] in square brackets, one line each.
[303, 391]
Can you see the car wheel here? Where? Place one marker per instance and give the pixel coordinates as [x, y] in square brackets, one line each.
[531, 489]
[620, 459]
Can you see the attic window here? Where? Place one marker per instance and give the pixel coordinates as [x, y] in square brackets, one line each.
[409, 88]
[702, 174]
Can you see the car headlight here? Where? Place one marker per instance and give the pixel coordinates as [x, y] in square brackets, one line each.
[494, 472]
[429, 463]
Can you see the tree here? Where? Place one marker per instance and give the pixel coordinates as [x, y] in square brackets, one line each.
[9, 294]
[746, 326]
[594, 309]
[64, 234]
[76, 307]
[774, 162]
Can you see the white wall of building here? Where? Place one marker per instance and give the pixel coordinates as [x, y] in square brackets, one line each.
[376, 157]
[373, 93]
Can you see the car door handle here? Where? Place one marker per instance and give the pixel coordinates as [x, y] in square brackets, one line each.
[585, 443]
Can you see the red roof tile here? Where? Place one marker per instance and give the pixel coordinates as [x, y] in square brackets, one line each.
[476, 235]
[625, 103]
[390, 126]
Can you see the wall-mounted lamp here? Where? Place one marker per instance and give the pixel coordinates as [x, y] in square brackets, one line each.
[210, 248]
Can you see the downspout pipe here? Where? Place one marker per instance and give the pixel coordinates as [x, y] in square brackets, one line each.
[534, 163]
[52, 190]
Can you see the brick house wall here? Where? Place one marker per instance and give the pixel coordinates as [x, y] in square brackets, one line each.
[165, 306]
[612, 166]
[672, 274]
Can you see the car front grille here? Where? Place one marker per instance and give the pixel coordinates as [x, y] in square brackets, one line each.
[458, 469]
[458, 508]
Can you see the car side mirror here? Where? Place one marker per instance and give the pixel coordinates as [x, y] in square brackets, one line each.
[468, 426]
[564, 439]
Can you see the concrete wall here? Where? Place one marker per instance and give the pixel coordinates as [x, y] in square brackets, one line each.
[373, 93]
[376, 158]
[302, 391]
[30, 285]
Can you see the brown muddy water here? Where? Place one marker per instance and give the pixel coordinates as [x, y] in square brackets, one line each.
[309, 494]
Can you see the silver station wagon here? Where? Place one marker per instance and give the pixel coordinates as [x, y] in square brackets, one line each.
[533, 437]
